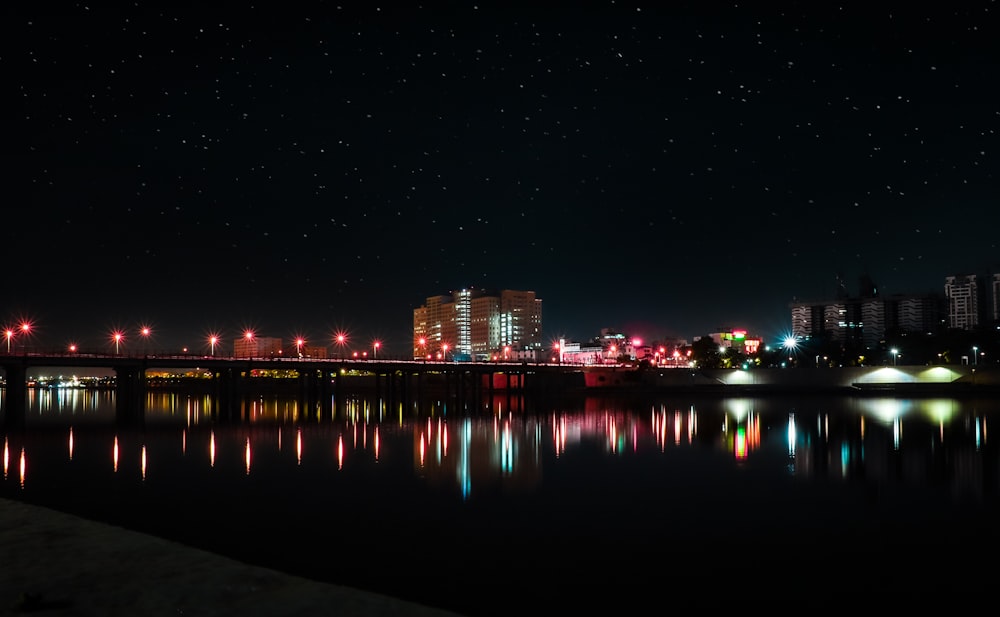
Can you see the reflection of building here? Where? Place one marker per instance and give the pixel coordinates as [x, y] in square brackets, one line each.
[256, 347]
[474, 323]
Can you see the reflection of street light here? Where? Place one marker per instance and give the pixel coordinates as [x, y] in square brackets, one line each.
[895, 352]
[975, 355]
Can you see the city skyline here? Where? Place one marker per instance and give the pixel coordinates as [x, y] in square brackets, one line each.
[666, 171]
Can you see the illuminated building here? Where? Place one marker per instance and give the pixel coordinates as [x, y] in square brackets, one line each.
[963, 293]
[256, 347]
[475, 323]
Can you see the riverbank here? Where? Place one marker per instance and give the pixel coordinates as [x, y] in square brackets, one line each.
[60, 565]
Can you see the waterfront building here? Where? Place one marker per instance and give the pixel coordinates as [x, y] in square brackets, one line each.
[963, 293]
[996, 299]
[868, 318]
[257, 347]
[478, 324]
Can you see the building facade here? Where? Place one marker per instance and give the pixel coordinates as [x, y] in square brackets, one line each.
[256, 347]
[867, 320]
[963, 293]
[477, 324]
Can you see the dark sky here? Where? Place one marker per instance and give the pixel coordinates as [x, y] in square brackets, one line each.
[664, 169]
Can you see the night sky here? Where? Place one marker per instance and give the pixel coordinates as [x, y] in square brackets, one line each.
[664, 170]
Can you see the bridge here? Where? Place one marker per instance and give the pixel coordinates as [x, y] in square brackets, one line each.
[318, 379]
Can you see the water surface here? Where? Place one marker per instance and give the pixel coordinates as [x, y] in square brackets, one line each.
[601, 504]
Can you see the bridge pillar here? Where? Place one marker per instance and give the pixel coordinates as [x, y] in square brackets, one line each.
[15, 396]
[326, 395]
[130, 394]
[228, 392]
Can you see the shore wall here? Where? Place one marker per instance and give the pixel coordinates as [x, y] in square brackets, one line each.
[909, 379]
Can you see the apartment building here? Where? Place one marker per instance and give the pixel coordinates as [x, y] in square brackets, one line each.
[963, 292]
[476, 323]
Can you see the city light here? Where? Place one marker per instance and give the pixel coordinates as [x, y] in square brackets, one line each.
[341, 339]
[145, 332]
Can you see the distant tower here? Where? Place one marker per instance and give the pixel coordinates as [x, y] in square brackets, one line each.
[867, 287]
[841, 287]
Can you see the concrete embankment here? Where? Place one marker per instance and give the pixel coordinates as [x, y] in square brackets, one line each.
[910, 380]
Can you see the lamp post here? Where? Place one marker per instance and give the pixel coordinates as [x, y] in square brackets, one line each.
[422, 344]
[299, 342]
[341, 339]
[975, 355]
[25, 330]
[895, 353]
[375, 347]
[212, 341]
[790, 343]
[144, 332]
[118, 337]
[8, 334]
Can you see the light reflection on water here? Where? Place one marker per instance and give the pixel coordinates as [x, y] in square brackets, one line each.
[438, 506]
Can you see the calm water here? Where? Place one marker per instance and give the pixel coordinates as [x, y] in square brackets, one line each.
[602, 504]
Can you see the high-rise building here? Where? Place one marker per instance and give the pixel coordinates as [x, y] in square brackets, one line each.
[963, 293]
[869, 318]
[996, 299]
[477, 323]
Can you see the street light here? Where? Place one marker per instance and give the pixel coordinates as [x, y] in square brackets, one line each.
[25, 330]
[118, 337]
[145, 331]
[213, 340]
[894, 352]
[975, 355]
[341, 339]
[422, 344]
[444, 350]
[299, 342]
[9, 334]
